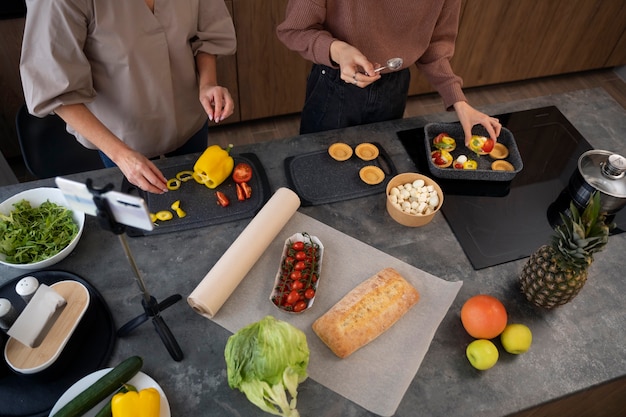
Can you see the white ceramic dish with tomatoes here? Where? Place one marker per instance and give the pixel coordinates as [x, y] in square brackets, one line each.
[297, 279]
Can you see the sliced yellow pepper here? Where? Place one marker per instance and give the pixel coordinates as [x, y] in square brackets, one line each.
[214, 166]
[173, 184]
[470, 164]
[145, 403]
[176, 207]
[184, 176]
[164, 215]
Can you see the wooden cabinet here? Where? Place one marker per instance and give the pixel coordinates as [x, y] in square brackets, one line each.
[271, 78]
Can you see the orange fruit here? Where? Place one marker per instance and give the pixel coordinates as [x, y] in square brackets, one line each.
[483, 316]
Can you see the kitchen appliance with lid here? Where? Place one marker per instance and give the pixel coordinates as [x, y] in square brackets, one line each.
[498, 222]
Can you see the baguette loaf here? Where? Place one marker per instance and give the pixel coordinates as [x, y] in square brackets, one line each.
[365, 312]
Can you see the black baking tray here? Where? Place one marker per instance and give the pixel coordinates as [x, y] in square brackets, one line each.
[200, 203]
[88, 350]
[483, 171]
[319, 179]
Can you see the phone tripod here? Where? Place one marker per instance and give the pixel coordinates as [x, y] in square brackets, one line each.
[152, 308]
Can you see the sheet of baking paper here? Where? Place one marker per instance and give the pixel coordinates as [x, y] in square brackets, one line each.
[224, 277]
[377, 375]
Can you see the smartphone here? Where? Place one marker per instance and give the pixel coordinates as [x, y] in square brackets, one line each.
[126, 209]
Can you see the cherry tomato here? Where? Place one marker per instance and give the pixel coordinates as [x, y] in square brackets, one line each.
[299, 306]
[309, 293]
[222, 200]
[292, 298]
[242, 172]
[295, 275]
[299, 266]
[247, 190]
[488, 145]
[297, 285]
[297, 246]
[300, 255]
[240, 194]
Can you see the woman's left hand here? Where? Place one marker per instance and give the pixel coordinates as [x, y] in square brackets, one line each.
[469, 117]
[217, 102]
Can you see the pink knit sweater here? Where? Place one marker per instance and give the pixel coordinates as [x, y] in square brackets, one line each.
[418, 31]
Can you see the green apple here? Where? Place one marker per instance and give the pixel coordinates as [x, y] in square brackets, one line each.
[516, 338]
[482, 354]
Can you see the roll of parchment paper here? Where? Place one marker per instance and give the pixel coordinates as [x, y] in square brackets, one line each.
[220, 282]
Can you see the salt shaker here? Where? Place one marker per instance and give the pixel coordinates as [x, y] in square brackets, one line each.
[26, 288]
[8, 314]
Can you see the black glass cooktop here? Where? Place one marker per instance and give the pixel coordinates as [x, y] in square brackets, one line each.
[498, 222]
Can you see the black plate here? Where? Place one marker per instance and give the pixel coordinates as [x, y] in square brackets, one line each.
[88, 350]
[200, 203]
[319, 179]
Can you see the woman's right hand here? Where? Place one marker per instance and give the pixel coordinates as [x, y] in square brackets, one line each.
[354, 67]
[141, 172]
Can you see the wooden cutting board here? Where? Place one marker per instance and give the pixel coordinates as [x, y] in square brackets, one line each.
[27, 360]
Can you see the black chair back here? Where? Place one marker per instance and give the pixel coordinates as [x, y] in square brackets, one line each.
[49, 150]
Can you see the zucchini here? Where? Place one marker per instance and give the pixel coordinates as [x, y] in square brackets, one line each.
[102, 388]
[107, 410]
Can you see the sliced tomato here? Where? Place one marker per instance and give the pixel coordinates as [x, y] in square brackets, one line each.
[240, 193]
[488, 145]
[222, 200]
[242, 172]
[247, 190]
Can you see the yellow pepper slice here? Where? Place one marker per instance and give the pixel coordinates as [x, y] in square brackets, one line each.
[145, 403]
[176, 207]
[470, 164]
[173, 184]
[184, 176]
[164, 215]
[153, 218]
[214, 165]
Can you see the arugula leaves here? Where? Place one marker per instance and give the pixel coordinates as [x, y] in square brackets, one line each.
[31, 234]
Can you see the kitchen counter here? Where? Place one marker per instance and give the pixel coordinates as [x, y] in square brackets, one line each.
[575, 347]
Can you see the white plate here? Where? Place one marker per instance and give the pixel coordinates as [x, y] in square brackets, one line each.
[140, 381]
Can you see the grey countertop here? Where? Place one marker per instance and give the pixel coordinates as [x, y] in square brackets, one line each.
[575, 347]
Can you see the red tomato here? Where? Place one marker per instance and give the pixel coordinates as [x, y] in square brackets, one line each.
[297, 246]
[295, 275]
[488, 145]
[297, 285]
[300, 255]
[242, 172]
[309, 293]
[299, 266]
[292, 298]
[222, 200]
[240, 194]
[439, 160]
[300, 305]
[247, 190]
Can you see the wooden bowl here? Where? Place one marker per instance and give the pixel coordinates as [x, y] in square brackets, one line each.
[408, 219]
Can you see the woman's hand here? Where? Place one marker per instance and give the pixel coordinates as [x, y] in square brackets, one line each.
[141, 172]
[217, 102]
[469, 117]
[354, 67]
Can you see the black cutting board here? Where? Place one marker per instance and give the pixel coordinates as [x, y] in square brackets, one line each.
[319, 179]
[88, 350]
[200, 203]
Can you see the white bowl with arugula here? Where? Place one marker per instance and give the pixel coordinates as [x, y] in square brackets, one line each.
[38, 229]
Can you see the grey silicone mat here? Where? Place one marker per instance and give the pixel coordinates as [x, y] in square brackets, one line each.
[200, 203]
[319, 179]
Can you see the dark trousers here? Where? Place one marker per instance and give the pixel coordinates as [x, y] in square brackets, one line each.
[331, 103]
[197, 143]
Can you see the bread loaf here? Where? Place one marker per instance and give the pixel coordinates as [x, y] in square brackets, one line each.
[366, 312]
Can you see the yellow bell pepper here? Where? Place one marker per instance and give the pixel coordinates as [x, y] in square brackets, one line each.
[214, 166]
[145, 403]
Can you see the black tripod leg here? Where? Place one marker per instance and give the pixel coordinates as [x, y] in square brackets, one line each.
[168, 338]
[169, 301]
[131, 325]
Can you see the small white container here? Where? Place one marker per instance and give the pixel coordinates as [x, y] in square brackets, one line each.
[26, 288]
[8, 314]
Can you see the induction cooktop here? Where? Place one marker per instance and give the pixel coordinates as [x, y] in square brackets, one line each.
[497, 222]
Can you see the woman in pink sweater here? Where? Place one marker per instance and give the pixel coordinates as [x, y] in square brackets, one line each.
[348, 39]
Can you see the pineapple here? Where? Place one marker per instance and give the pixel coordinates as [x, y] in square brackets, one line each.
[556, 272]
